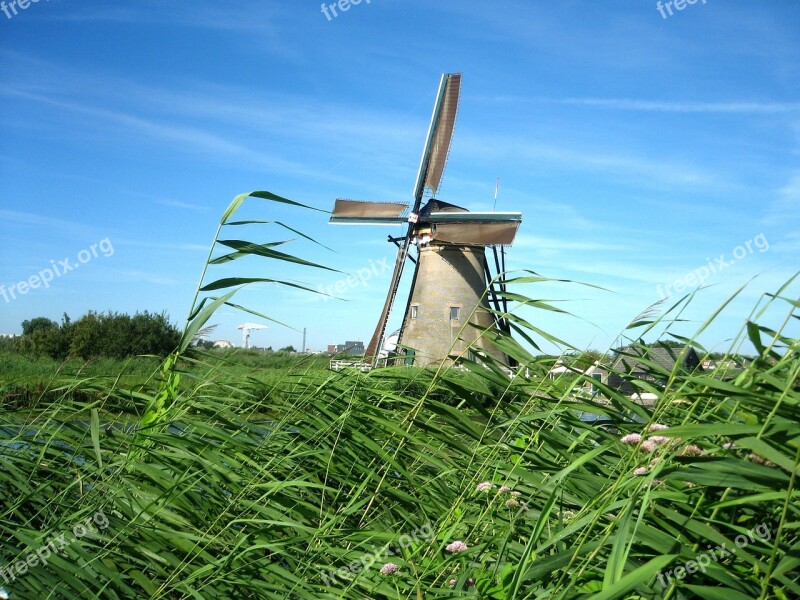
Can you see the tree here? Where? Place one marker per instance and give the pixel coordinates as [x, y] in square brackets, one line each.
[586, 359]
[38, 324]
[94, 335]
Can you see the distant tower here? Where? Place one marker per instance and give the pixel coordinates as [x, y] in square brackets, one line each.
[246, 329]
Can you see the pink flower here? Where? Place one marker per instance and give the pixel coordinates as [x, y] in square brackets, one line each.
[457, 546]
[659, 439]
[631, 438]
[647, 446]
[484, 486]
[640, 471]
[692, 450]
[657, 427]
[759, 460]
[503, 489]
[512, 503]
[389, 568]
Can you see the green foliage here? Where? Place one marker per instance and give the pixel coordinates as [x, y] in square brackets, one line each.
[109, 335]
[208, 498]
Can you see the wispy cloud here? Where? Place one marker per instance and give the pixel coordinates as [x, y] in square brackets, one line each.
[671, 106]
[190, 139]
[786, 207]
[46, 223]
[183, 205]
[610, 162]
[559, 245]
[182, 247]
[129, 275]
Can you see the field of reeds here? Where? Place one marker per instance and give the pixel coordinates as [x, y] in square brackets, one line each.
[405, 482]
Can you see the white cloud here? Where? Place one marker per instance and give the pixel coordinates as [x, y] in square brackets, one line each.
[679, 107]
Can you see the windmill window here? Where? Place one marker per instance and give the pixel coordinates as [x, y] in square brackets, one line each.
[414, 310]
[455, 313]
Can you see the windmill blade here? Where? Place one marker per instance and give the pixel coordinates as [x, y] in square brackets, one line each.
[374, 346]
[440, 133]
[360, 212]
[472, 217]
[477, 234]
[434, 157]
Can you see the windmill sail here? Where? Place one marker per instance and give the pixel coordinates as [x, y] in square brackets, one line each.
[375, 342]
[440, 133]
[478, 234]
[360, 212]
[434, 157]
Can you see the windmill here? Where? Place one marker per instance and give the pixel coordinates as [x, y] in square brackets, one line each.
[451, 274]
[246, 329]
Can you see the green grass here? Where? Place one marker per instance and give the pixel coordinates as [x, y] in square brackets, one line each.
[300, 486]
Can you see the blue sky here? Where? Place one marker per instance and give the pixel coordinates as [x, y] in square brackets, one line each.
[638, 148]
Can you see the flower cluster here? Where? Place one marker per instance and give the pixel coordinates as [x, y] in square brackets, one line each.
[512, 502]
[760, 460]
[389, 568]
[457, 546]
[649, 441]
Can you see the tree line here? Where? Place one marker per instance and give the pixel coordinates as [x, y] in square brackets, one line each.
[98, 335]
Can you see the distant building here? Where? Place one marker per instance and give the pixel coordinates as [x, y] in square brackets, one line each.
[351, 348]
[223, 344]
[653, 364]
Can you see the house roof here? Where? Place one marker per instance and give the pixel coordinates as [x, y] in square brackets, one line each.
[637, 358]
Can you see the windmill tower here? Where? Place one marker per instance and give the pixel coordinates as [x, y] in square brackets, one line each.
[448, 305]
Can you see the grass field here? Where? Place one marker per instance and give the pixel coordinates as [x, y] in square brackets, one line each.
[215, 478]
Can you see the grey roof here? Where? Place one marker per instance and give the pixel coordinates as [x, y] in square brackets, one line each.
[631, 359]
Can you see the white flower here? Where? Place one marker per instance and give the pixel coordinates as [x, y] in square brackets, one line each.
[631, 438]
[659, 439]
[484, 486]
[457, 546]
